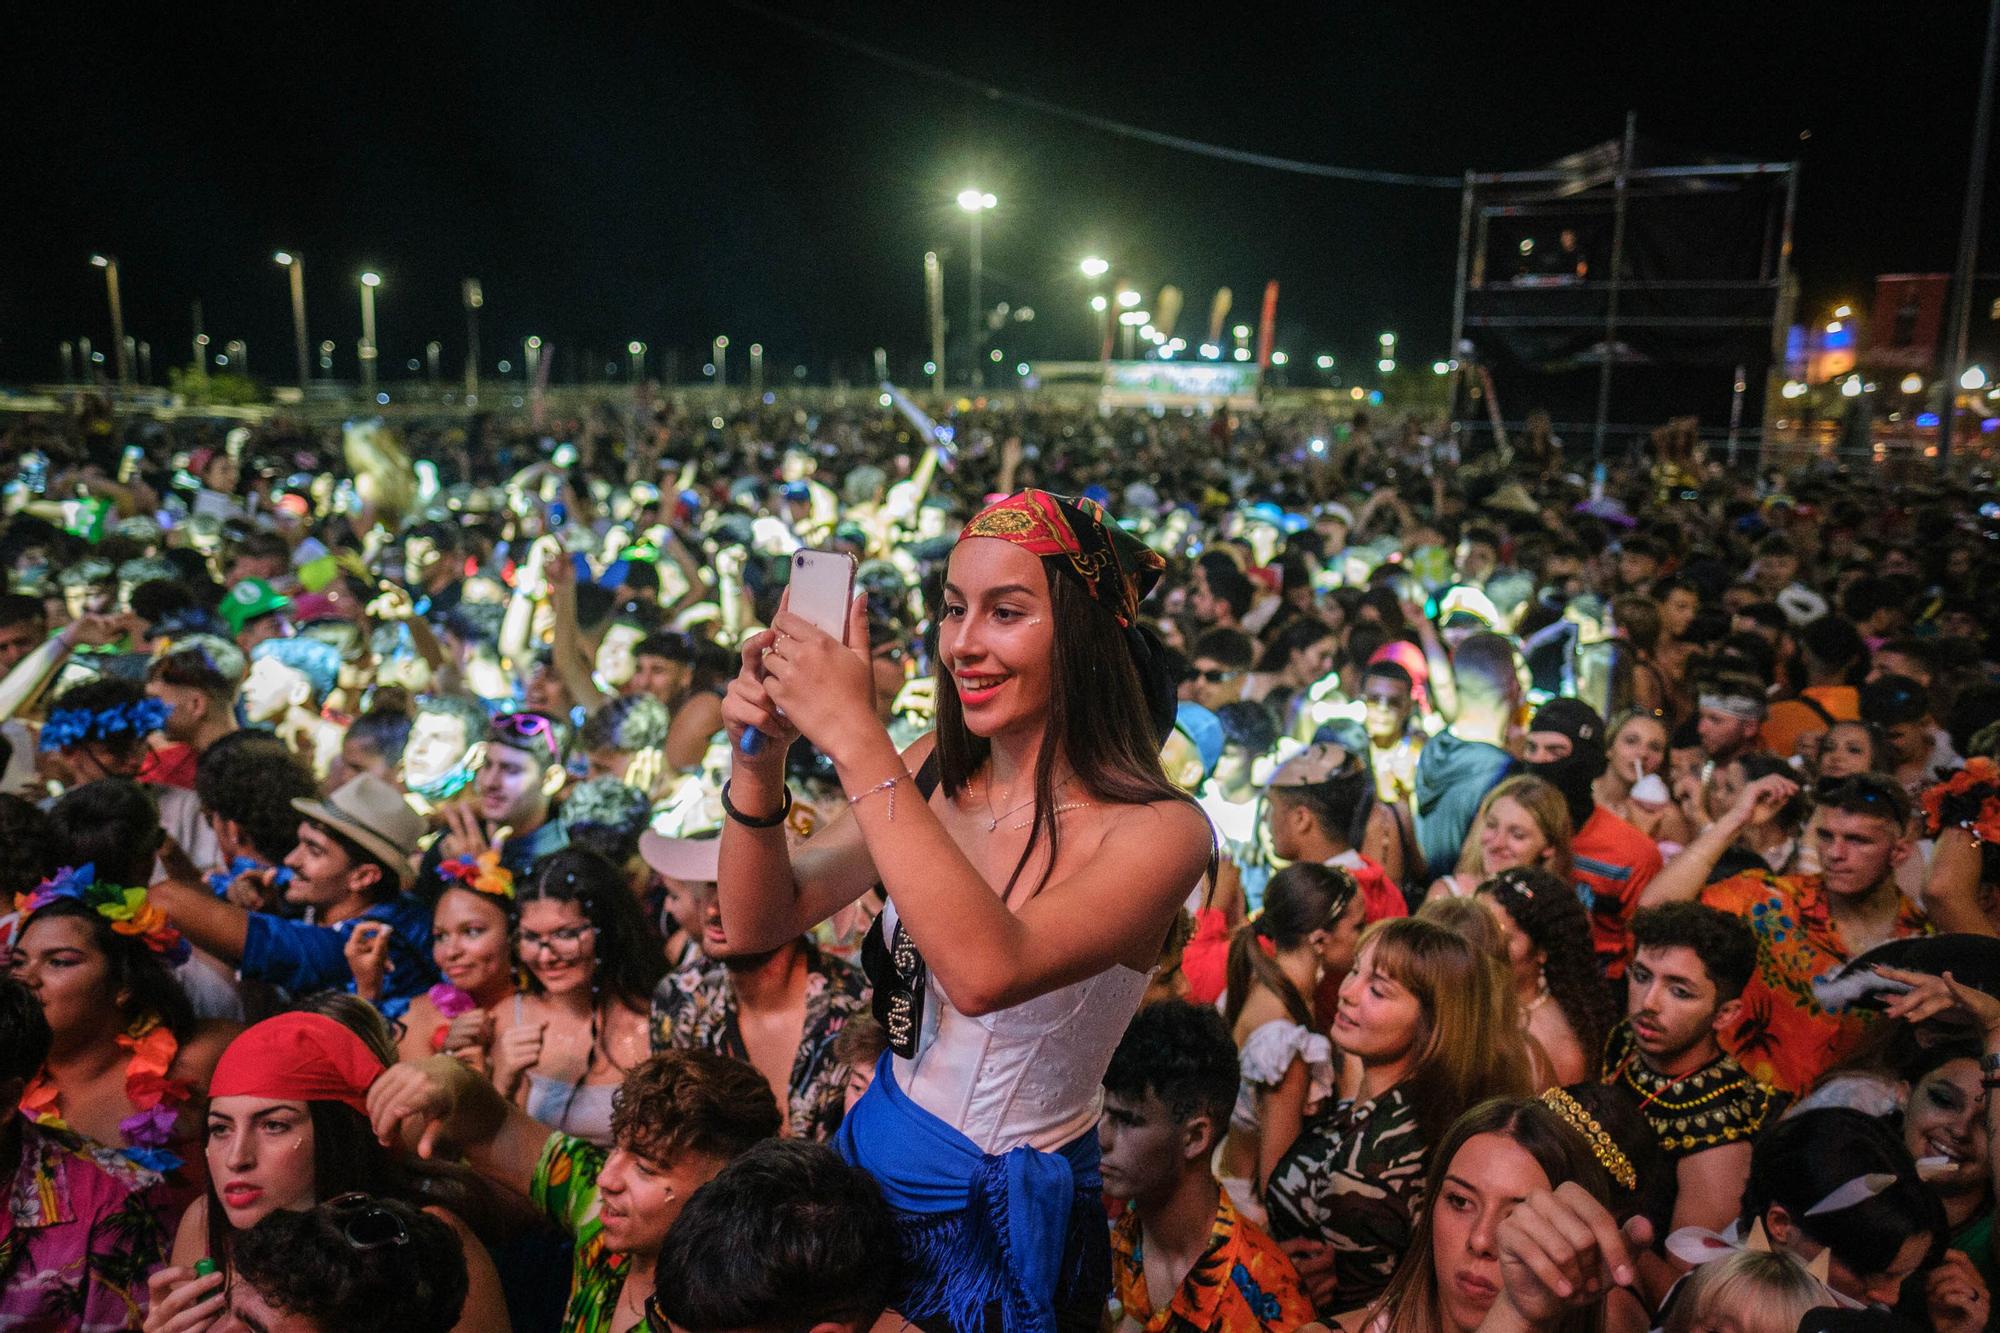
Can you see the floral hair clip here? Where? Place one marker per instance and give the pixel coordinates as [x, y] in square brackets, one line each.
[483, 874]
[128, 910]
[74, 726]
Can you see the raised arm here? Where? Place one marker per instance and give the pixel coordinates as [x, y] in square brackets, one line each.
[985, 955]
[1951, 893]
[1682, 879]
[209, 922]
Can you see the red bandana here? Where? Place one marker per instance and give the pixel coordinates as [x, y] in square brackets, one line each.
[297, 1058]
[1115, 566]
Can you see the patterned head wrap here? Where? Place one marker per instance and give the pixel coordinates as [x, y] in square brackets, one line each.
[1117, 568]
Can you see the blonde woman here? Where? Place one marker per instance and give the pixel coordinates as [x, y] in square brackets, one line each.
[1522, 822]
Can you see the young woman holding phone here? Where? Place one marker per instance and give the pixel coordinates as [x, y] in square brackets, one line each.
[1034, 856]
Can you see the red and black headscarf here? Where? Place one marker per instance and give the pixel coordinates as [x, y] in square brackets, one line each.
[1117, 568]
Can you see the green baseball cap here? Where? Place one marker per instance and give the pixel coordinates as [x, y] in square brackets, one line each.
[250, 599]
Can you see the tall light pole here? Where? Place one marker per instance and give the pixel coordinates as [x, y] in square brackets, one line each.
[934, 313]
[531, 358]
[369, 282]
[757, 368]
[295, 263]
[1094, 268]
[721, 350]
[976, 202]
[475, 297]
[110, 266]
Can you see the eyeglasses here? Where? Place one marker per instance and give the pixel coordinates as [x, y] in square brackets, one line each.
[369, 1226]
[562, 943]
[1215, 675]
[526, 727]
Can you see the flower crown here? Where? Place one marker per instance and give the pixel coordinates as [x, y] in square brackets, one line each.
[482, 875]
[128, 910]
[1605, 1149]
[73, 726]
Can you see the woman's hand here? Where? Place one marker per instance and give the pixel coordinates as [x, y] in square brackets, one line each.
[468, 1037]
[518, 1050]
[748, 703]
[1957, 1296]
[826, 688]
[367, 951]
[180, 1302]
[1562, 1250]
[1933, 997]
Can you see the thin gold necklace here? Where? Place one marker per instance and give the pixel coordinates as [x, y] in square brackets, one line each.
[993, 820]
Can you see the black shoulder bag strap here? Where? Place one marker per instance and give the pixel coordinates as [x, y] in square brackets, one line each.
[894, 968]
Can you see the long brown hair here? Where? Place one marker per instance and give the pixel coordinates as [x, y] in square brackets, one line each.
[1410, 1301]
[1098, 721]
[1299, 900]
[1468, 1045]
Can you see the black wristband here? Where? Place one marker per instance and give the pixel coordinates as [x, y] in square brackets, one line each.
[748, 821]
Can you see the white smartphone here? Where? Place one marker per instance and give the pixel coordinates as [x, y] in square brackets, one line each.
[821, 587]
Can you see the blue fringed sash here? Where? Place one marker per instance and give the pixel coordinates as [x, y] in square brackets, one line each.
[977, 1228]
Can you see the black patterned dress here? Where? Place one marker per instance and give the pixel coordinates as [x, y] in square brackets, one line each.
[1716, 1104]
[1354, 1179]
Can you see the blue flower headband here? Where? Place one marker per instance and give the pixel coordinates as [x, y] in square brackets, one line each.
[73, 726]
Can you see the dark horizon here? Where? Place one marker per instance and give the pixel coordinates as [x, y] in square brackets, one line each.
[612, 173]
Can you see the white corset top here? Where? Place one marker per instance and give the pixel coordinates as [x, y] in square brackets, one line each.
[1030, 1074]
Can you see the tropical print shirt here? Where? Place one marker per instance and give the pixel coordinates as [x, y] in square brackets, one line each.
[1784, 1036]
[695, 1009]
[76, 1244]
[1242, 1281]
[565, 1189]
[1355, 1179]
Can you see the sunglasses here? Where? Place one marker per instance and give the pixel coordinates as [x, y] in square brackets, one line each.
[526, 727]
[1214, 675]
[368, 1226]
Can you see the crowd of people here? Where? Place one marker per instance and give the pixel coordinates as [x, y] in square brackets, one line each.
[1229, 872]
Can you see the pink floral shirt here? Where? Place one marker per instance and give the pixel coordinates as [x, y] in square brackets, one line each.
[76, 1244]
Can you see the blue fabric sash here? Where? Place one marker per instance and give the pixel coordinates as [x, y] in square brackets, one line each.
[977, 1228]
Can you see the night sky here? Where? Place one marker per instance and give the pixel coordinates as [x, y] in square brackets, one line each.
[669, 172]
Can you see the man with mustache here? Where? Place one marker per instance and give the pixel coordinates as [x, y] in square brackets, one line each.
[1685, 984]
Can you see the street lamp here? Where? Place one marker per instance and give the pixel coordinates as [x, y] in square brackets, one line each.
[369, 282]
[531, 358]
[295, 264]
[110, 266]
[721, 350]
[1093, 267]
[637, 351]
[975, 203]
[1974, 379]
[1129, 298]
[757, 368]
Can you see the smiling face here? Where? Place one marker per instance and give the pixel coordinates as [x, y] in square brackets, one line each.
[997, 636]
[1946, 1117]
[260, 1157]
[557, 944]
[470, 944]
[1487, 1179]
[639, 1196]
[1509, 837]
[59, 962]
[1379, 1021]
